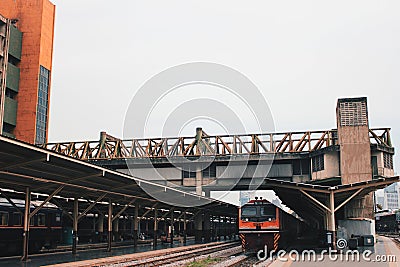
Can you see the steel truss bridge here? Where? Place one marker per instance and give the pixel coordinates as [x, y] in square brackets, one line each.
[109, 147]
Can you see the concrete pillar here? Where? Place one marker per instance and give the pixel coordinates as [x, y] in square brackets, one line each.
[332, 218]
[136, 225]
[115, 225]
[172, 228]
[224, 227]
[100, 227]
[198, 227]
[93, 229]
[184, 227]
[25, 249]
[155, 229]
[199, 181]
[109, 226]
[212, 227]
[228, 228]
[199, 173]
[123, 232]
[207, 227]
[220, 230]
[75, 226]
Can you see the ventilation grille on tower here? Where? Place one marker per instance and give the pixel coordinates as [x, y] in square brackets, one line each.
[353, 114]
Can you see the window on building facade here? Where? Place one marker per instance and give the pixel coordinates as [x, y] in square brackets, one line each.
[17, 218]
[388, 160]
[210, 172]
[190, 172]
[41, 219]
[3, 218]
[42, 105]
[318, 163]
[301, 167]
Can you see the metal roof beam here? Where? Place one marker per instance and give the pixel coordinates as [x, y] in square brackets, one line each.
[349, 198]
[91, 206]
[123, 209]
[315, 200]
[11, 202]
[64, 210]
[55, 192]
[21, 163]
[148, 211]
[372, 183]
[72, 180]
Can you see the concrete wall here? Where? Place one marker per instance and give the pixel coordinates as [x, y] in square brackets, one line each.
[174, 175]
[275, 171]
[331, 168]
[355, 154]
[152, 174]
[346, 228]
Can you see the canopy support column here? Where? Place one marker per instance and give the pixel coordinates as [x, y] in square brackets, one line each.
[75, 226]
[26, 224]
[110, 208]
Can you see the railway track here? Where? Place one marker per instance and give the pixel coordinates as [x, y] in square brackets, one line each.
[178, 256]
[185, 257]
[103, 245]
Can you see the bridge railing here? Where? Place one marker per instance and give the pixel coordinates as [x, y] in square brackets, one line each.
[203, 144]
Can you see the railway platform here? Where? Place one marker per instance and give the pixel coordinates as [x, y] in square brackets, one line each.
[52, 258]
[385, 253]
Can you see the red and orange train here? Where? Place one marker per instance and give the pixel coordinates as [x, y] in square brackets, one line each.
[262, 223]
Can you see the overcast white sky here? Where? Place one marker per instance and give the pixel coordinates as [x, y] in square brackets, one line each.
[302, 55]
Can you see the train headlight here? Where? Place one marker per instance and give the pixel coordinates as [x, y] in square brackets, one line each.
[247, 219]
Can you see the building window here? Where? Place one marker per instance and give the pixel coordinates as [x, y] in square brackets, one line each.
[17, 218]
[3, 218]
[8, 128]
[41, 219]
[42, 106]
[388, 160]
[189, 172]
[10, 93]
[210, 172]
[318, 163]
[301, 167]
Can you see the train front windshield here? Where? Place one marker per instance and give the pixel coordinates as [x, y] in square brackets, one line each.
[258, 213]
[249, 211]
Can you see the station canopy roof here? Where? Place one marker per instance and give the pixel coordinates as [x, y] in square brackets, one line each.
[308, 200]
[45, 172]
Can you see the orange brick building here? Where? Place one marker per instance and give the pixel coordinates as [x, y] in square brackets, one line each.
[26, 51]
